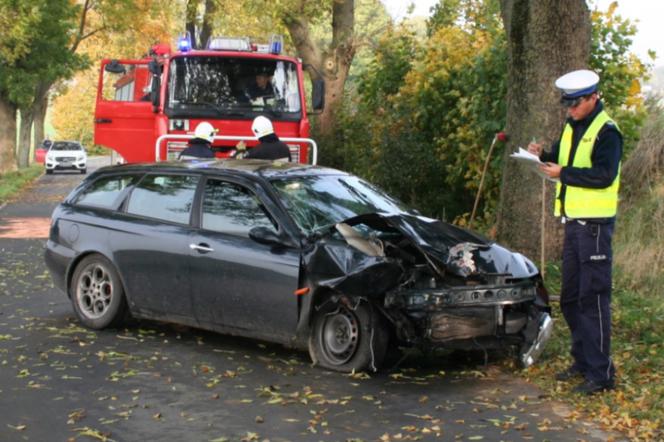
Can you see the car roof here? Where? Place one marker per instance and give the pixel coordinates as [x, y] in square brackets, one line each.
[263, 168]
[65, 141]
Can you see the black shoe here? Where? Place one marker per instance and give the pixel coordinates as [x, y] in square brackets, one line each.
[569, 373]
[592, 387]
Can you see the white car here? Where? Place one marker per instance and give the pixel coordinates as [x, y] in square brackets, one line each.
[66, 155]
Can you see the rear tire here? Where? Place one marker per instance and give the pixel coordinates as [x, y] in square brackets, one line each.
[349, 339]
[97, 294]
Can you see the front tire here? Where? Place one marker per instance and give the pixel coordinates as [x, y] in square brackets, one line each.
[97, 294]
[84, 171]
[349, 338]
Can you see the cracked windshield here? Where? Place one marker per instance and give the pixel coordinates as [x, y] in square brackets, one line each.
[228, 87]
[316, 202]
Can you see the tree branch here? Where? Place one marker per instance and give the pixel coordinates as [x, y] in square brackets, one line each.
[81, 26]
[343, 22]
[306, 48]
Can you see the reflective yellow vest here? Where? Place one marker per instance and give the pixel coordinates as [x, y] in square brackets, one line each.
[582, 202]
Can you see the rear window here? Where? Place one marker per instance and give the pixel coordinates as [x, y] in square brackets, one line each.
[64, 145]
[165, 197]
[105, 191]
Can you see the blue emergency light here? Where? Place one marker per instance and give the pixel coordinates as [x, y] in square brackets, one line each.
[184, 43]
[276, 44]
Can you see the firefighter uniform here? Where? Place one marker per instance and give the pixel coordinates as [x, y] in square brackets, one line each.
[201, 145]
[589, 151]
[270, 147]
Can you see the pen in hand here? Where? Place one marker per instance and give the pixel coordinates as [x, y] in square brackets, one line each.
[534, 147]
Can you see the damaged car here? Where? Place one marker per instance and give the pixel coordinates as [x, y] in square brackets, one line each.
[305, 256]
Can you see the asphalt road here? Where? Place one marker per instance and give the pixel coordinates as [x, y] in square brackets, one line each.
[153, 381]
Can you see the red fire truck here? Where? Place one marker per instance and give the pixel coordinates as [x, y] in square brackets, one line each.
[147, 109]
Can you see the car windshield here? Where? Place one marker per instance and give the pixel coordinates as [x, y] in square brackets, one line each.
[63, 145]
[316, 202]
[227, 87]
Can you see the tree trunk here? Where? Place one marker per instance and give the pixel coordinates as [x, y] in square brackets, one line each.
[334, 63]
[40, 118]
[25, 138]
[191, 20]
[546, 38]
[206, 28]
[7, 137]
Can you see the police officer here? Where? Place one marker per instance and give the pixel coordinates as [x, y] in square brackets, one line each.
[201, 145]
[586, 160]
[270, 147]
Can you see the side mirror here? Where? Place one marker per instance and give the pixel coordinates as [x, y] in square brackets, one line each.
[154, 93]
[318, 94]
[263, 235]
[115, 67]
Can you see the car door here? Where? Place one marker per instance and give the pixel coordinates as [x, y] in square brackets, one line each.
[151, 245]
[124, 117]
[237, 282]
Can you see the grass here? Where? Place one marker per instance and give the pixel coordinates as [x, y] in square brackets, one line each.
[636, 407]
[12, 182]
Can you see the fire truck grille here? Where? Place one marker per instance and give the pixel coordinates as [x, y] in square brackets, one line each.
[295, 152]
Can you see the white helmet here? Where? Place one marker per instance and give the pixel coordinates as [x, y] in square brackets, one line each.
[262, 127]
[205, 131]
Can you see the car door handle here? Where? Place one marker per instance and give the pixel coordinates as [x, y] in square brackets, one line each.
[103, 120]
[201, 248]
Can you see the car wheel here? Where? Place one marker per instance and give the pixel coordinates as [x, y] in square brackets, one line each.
[348, 338]
[49, 171]
[84, 171]
[97, 293]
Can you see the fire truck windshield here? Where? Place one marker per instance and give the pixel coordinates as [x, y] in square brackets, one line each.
[232, 87]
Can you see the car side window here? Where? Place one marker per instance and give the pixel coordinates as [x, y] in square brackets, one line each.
[105, 191]
[165, 197]
[233, 209]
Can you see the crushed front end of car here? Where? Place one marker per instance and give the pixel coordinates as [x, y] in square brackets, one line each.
[437, 284]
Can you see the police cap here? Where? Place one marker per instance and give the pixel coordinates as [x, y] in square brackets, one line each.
[576, 84]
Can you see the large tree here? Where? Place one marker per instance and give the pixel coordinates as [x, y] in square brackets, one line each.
[546, 38]
[332, 62]
[17, 20]
[50, 33]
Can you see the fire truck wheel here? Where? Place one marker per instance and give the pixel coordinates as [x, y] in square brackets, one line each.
[97, 293]
[348, 338]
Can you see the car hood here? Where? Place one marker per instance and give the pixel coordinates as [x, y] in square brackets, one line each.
[452, 248]
[343, 265]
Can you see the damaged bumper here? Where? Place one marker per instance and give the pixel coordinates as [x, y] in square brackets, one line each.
[534, 350]
[505, 313]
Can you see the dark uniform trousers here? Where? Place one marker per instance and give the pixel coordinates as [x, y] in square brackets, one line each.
[586, 297]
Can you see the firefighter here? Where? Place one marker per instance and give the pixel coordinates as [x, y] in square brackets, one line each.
[201, 145]
[270, 147]
[586, 161]
[260, 91]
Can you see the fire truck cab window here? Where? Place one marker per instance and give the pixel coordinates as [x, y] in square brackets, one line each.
[204, 86]
[131, 85]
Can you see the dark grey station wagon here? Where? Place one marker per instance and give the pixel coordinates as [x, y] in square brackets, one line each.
[301, 255]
